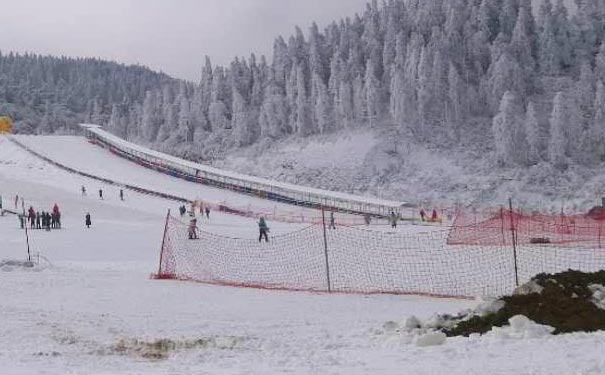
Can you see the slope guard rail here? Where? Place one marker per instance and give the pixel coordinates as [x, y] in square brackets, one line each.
[253, 186]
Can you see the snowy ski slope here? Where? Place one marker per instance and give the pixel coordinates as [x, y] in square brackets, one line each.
[91, 307]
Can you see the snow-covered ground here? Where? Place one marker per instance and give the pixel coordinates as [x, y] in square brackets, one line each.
[91, 307]
[380, 163]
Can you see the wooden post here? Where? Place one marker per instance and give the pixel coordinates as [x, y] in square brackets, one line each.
[514, 238]
[323, 219]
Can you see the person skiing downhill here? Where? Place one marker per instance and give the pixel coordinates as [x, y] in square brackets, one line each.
[263, 229]
[101, 194]
[121, 194]
[87, 221]
[83, 191]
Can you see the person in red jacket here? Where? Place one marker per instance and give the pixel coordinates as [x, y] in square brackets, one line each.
[422, 214]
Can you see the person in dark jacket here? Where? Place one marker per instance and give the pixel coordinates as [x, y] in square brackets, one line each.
[207, 209]
[121, 194]
[263, 229]
[393, 219]
[38, 221]
[88, 222]
[101, 194]
[48, 221]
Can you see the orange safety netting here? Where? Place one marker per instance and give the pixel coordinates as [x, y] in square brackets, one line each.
[495, 227]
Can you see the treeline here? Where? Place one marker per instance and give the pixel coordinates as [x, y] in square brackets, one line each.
[440, 71]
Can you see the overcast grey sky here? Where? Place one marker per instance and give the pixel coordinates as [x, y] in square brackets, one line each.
[168, 35]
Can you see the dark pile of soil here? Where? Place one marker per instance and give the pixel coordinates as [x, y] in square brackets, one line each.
[565, 303]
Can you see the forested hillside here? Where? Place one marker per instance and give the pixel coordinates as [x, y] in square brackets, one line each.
[509, 84]
[45, 94]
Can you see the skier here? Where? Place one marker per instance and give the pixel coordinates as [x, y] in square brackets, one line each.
[422, 214]
[434, 217]
[87, 221]
[38, 222]
[21, 221]
[32, 217]
[332, 221]
[48, 221]
[101, 194]
[263, 229]
[393, 219]
[192, 229]
[83, 191]
[367, 218]
[207, 210]
[121, 195]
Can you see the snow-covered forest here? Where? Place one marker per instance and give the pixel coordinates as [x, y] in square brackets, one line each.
[45, 94]
[525, 86]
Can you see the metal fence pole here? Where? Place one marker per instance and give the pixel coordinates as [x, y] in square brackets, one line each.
[514, 238]
[29, 257]
[163, 244]
[323, 220]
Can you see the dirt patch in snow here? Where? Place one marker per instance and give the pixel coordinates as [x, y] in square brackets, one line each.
[564, 301]
[162, 348]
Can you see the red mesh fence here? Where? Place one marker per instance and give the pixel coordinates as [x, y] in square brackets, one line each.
[365, 261]
[494, 227]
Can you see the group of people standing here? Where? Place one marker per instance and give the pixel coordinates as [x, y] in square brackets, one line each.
[434, 218]
[41, 220]
[203, 210]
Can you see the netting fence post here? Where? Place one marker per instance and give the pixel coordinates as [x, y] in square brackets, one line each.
[514, 239]
[163, 244]
[29, 256]
[323, 220]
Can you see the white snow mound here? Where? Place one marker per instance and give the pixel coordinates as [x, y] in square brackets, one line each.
[520, 328]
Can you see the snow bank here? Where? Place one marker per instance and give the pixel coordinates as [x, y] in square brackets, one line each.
[520, 328]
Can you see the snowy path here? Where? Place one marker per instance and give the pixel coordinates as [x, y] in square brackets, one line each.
[82, 314]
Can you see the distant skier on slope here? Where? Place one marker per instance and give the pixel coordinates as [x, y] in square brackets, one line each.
[87, 220]
[367, 219]
[393, 219]
[332, 221]
[263, 230]
[192, 229]
[121, 195]
[101, 194]
[83, 191]
[207, 209]
[422, 214]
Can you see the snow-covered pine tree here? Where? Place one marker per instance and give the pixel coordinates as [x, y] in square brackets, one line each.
[598, 124]
[273, 118]
[150, 121]
[506, 128]
[559, 142]
[533, 134]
